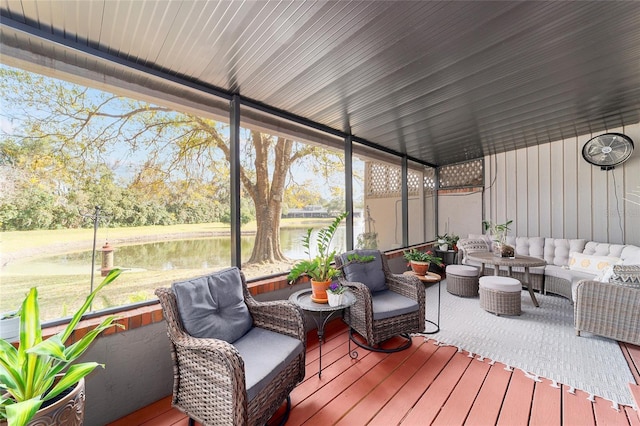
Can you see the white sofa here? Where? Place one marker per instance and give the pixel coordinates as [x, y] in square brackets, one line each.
[572, 271]
[558, 276]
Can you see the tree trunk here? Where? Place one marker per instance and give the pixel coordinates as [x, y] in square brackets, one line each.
[267, 197]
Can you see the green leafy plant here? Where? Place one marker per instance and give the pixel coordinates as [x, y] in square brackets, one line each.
[452, 240]
[499, 231]
[320, 268]
[28, 373]
[422, 256]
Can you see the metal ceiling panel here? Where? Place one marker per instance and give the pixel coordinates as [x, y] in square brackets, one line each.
[441, 82]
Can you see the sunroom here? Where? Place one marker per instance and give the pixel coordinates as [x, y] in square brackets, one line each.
[419, 119]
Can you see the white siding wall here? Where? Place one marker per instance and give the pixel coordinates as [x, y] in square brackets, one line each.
[549, 190]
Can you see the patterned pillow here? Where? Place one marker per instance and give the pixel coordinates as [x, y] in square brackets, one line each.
[627, 275]
[473, 245]
[590, 263]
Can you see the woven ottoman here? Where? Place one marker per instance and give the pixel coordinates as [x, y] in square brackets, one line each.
[500, 295]
[462, 280]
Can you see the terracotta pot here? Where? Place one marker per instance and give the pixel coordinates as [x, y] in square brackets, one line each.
[420, 268]
[68, 410]
[319, 291]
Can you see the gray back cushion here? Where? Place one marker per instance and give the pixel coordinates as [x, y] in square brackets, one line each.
[370, 274]
[213, 306]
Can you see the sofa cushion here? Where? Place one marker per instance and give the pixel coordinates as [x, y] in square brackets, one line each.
[591, 263]
[603, 249]
[530, 246]
[630, 255]
[276, 352]
[213, 306]
[387, 304]
[370, 274]
[576, 277]
[557, 250]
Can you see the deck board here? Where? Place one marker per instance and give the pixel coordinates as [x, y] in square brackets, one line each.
[369, 406]
[546, 409]
[426, 384]
[577, 409]
[431, 402]
[464, 394]
[403, 401]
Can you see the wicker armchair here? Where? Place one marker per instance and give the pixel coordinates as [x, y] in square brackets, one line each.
[380, 314]
[609, 310]
[219, 383]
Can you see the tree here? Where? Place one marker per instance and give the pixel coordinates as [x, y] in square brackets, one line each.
[83, 135]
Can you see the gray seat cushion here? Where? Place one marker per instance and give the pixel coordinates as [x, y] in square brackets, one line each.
[265, 354]
[387, 304]
[370, 274]
[213, 306]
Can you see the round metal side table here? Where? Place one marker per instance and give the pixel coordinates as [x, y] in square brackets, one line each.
[302, 298]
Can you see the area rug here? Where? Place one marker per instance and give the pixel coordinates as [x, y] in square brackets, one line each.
[541, 342]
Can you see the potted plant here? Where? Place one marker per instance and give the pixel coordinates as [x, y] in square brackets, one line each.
[452, 241]
[10, 326]
[320, 268]
[499, 233]
[420, 260]
[39, 375]
[335, 293]
[443, 242]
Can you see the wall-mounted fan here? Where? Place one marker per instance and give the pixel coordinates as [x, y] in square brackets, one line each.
[608, 150]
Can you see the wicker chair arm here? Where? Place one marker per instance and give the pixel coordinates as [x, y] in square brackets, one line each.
[406, 285]
[361, 292]
[607, 309]
[280, 316]
[217, 366]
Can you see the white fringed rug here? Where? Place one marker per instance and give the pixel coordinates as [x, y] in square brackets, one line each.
[541, 342]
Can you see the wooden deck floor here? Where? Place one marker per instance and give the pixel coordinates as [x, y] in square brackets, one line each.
[426, 384]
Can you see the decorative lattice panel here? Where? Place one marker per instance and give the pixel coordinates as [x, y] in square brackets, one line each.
[462, 174]
[385, 180]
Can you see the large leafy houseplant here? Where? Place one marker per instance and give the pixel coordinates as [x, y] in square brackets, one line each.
[39, 370]
[319, 267]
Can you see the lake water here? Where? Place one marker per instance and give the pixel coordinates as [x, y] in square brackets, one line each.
[197, 253]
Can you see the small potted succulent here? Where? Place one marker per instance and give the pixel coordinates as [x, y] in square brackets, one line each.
[421, 260]
[39, 377]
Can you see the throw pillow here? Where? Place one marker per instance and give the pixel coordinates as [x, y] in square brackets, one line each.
[213, 306]
[627, 275]
[370, 274]
[473, 245]
[605, 275]
[590, 263]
